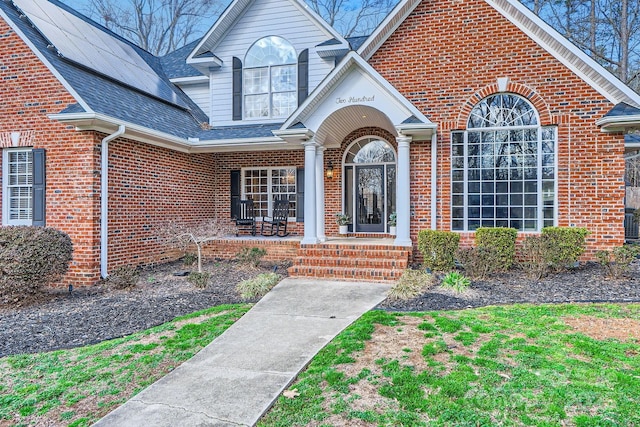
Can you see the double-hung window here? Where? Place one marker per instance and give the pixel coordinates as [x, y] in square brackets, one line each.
[503, 168]
[17, 186]
[265, 185]
[270, 79]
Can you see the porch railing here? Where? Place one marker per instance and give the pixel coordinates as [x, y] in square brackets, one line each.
[630, 227]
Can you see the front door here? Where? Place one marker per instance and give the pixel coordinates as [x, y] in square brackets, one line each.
[370, 197]
[369, 185]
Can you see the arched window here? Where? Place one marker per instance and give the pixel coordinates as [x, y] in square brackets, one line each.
[270, 79]
[503, 170]
[370, 150]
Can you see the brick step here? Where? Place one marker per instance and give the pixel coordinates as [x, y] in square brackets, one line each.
[353, 262]
[355, 246]
[359, 253]
[345, 273]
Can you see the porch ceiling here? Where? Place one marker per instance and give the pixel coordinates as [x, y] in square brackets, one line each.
[339, 124]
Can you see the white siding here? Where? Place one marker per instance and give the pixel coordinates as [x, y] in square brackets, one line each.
[199, 93]
[261, 19]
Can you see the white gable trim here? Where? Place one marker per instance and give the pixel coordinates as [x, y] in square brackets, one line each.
[549, 39]
[566, 52]
[236, 9]
[387, 27]
[318, 96]
[47, 64]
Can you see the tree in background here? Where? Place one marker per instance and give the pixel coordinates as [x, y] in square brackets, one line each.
[158, 26]
[352, 17]
[162, 26]
[607, 30]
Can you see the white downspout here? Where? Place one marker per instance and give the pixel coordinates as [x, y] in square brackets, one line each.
[434, 181]
[104, 199]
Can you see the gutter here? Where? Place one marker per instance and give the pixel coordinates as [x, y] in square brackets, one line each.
[434, 181]
[618, 123]
[104, 200]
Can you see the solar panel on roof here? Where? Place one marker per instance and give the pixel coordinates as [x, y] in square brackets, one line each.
[81, 42]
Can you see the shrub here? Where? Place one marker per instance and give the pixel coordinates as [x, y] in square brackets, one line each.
[478, 262]
[438, 248]
[189, 259]
[535, 254]
[566, 244]
[199, 279]
[455, 281]
[258, 286]
[251, 256]
[30, 258]
[499, 246]
[616, 263]
[123, 277]
[411, 284]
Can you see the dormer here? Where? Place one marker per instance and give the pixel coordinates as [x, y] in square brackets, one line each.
[262, 58]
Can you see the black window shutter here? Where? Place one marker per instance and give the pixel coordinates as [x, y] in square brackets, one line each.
[300, 195]
[303, 76]
[39, 187]
[237, 89]
[235, 193]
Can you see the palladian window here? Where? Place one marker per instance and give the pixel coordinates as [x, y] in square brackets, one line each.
[503, 169]
[269, 79]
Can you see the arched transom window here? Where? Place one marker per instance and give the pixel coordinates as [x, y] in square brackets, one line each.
[370, 150]
[503, 168]
[270, 79]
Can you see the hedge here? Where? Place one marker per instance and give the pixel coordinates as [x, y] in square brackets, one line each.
[30, 258]
[438, 248]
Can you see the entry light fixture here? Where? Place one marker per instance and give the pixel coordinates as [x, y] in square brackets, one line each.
[330, 170]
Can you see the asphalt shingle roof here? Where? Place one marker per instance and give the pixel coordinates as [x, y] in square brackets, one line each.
[107, 96]
[175, 64]
[623, 109]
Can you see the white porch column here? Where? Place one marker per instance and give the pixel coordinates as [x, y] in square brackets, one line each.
[320, 194]
[403, 193]
[310, 199]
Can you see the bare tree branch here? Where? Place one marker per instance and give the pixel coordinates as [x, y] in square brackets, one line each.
[158, 26]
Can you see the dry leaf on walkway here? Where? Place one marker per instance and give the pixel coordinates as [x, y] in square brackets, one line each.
[291, 394]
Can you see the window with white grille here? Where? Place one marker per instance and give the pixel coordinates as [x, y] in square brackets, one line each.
[17, 186]
[264, 185]
[503, 168]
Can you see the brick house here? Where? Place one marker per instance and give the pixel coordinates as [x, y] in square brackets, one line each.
[452, 114]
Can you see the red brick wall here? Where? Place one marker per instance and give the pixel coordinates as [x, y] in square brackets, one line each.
[148, 188]
[447, 56]
[28, 93]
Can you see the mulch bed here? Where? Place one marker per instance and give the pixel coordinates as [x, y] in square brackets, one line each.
[85, 316]
[585, 284]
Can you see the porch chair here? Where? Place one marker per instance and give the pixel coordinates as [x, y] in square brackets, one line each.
[246, 217]
[277, 224]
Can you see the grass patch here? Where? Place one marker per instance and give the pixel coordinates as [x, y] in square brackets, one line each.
[523, 365]
[77, 387]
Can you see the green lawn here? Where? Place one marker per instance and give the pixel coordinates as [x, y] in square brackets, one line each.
[77, 387]
[550, 365]
[496, 366]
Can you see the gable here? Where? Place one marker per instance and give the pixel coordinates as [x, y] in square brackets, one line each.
[246, 21]
[260, 18]
[459, 48]
[523, 21]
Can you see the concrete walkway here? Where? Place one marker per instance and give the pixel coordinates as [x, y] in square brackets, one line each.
[237, 377]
